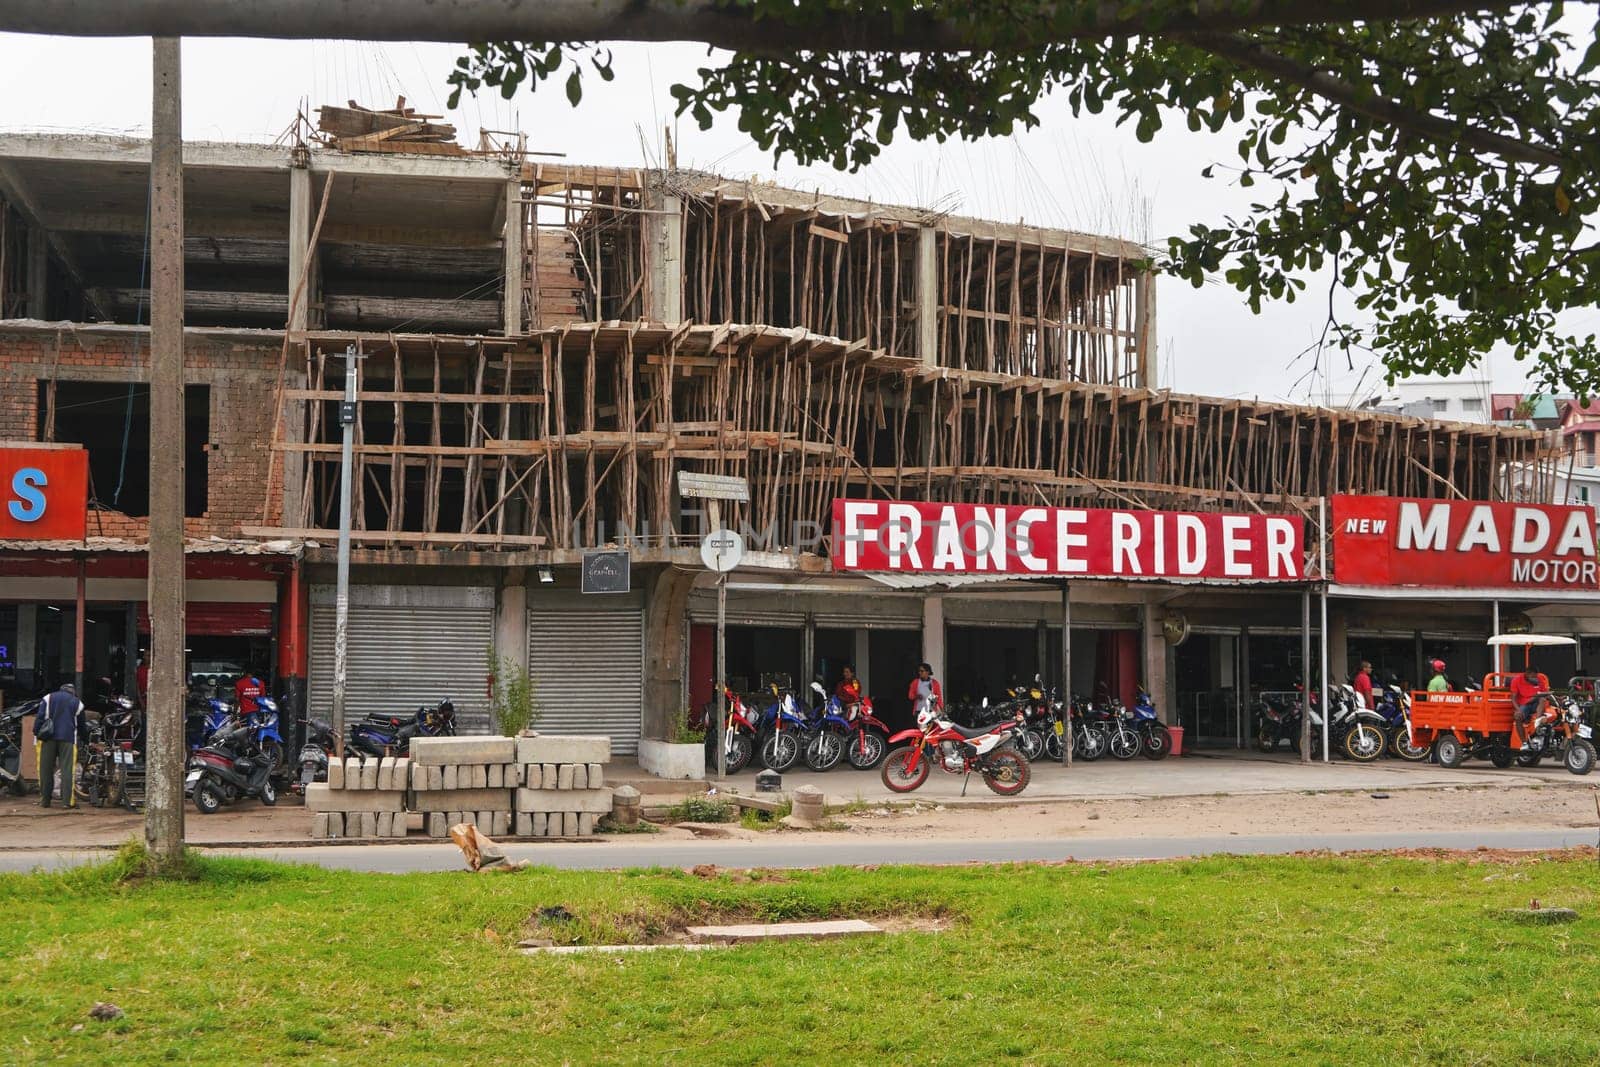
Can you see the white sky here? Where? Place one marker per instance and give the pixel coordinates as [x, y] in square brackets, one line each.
[1084, 174]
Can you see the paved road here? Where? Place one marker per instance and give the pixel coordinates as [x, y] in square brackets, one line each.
[842, 851]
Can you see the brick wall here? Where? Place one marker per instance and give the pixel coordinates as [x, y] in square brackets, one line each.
[241, 373]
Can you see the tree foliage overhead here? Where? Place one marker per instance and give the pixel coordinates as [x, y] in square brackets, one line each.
[1441, 158]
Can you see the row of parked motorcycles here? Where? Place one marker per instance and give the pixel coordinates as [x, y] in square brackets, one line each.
[786, 731]
[1355, 731]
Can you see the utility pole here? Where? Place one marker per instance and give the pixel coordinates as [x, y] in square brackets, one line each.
[341, 596]
[164, 762]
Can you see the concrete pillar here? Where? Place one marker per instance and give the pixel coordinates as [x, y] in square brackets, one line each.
[933, 634]
[26, 654]
[512, 315]
[1340, 666]
[663, 229]
[666, 622]
[301, 259]
[927, 296]
[511, 619]
[1144, 329]
[1157, 656]
[38, 273]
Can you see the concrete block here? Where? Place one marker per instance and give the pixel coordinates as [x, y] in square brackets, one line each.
[551, 749]
[352, 772]
[480, 777]
[564, 776]
[398, 827]
[335, 824]
[625, 803]
[385, 818]
[320, 798]
[497, 776]
[464, 799]
[369, 820]
[514, 776]
[523, 823]
[597, 801]
[449, 778]
[502, 823]
[335, 776]
[580, 776]
[485, 821]
[667, 760]
[442, 751]
[438, 824]
[597, 776]
[547, 777]
[569, 824]
[386, 772]
[319, 825]
[586, 824]
[541, 824]
[454, 819]
[402, 773]
[434, 777]
[369, 775]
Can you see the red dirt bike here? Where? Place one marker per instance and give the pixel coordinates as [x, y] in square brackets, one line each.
[938, 742]
[867, 740]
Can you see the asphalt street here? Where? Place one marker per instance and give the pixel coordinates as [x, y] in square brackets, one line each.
[841, 850]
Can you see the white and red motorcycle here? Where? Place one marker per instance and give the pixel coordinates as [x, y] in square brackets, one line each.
[939, 742]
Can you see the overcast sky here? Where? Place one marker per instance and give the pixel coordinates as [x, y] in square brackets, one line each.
[1084, 174]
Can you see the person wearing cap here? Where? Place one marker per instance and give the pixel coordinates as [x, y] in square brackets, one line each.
[1438, 683]
[55, 739]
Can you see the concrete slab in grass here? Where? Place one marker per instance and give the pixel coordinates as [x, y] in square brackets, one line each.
[581, 950]
[597, 801]
[464, 800]
[739, 934]
[321, 798]
[438, 751]
[552, 749]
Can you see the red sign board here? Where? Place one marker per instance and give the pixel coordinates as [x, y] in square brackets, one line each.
[1385, 541]
[44, 494]
[931, 538]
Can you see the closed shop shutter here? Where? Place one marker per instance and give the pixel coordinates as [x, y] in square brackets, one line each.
[406, 647]
[587, 664]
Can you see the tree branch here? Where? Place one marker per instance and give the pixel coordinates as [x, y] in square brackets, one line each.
[1338, 91]
[730, 24]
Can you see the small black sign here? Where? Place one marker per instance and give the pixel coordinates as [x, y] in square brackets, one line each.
[606, 571]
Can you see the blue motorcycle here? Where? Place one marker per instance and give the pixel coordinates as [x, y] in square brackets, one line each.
[1394, 705]
[783, 732]
[1155, 739]
[828, 729]
[387, 735]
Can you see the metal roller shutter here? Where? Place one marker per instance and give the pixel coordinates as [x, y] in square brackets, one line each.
[400, 656]
[588, 670]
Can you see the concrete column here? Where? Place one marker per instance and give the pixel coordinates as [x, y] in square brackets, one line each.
[1144, 329]
[38, 272]
[26, 654]
[927, 295]
[1157, 655]
[933, 634]
[663, 231]
[666, 622]
[511, 619]
[1340, 666]
[512, 315]
[301, 214]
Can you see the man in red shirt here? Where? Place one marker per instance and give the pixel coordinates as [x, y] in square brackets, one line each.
[142, 676]
[849, 688]
[1528, 694]
[245, 692]
[1362, 684]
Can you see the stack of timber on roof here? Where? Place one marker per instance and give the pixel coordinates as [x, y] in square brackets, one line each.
[398, 129]
[559, 440]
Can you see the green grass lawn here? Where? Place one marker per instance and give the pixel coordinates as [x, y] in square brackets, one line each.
[1314, 960]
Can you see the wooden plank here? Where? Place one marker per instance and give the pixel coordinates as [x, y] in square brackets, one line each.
[405, 537]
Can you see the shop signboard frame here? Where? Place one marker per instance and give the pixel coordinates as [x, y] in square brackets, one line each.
[44, 493]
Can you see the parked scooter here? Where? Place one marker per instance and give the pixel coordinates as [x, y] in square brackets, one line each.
[229, 769]
[314, 754]
[11, 730]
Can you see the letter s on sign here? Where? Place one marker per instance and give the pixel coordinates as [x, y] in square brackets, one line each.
[25, 486]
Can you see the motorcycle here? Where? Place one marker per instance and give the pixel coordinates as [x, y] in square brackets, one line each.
[1091, 734]
[1122, 739]
[1560, 732]
[231, 768]
[740, 729]
[783, 732]
[867, 738]
[1353, 729]
[1155, 739]
[205, 718]
[1279, 720]
[107, 755]
[384, 735]
[314, 754]
[827, 728]
[957, 749]
[11, 746]
[1394, 705]
[1035, 709]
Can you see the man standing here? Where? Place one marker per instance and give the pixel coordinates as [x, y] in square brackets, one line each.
[55, 738]
[245, 692]
[1438, 683]
[1363, 685]
[925, 687]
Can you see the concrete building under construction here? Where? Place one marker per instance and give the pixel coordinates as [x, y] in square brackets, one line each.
[541, 347]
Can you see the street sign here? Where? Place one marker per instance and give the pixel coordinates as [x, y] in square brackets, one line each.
[722, 549]
[713, 486]
[606, 570]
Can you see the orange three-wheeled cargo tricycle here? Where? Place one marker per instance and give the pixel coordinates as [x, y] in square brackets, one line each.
[1462, 724]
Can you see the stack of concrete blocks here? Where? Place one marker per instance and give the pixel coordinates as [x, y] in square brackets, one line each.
[563, 791]
[361, 798]
[464, 780]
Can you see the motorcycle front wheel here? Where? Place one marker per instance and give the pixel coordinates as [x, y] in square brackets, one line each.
[865, 750]
[1266, 740]
[1094, 744]
[824, 751]
[1364, 743]
[1030, 743]
[1404, 749]
[1580, 756]
[780, 751]
[1125, 743]
[269, 793]
[1006, 772]
[740, 749]
[1052, 745]
[1157, 742]
[898, 774]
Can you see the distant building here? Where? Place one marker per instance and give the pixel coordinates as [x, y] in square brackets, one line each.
[1453, 399]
